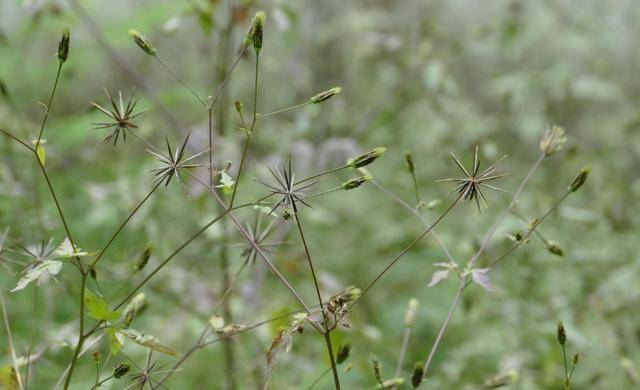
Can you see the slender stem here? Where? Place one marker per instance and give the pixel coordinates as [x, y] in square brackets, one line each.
[48, 106]
[210, 124]
[332, 170]
[444, 326]
[328, 370]
[248, 133]
[415, 188]
[31, 333]
[274, 113]
[15, 138]
[81, 336]
[184, 83]
[327, 332]
[407, 248]
[226, 78]
[12, 349]
[564, 358]
[123, 224]
[403, 350]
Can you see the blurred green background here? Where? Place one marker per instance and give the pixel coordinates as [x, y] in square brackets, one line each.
[431, 77]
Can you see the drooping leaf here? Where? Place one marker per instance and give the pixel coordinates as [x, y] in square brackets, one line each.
[149, 341]
[226, 183]
[116, 340]
[53, 266]
[98, 308]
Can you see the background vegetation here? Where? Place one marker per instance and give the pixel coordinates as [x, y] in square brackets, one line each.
[426, 76]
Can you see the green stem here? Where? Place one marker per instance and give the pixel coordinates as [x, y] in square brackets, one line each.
[81, 336]
[46, 112]
[184, 83]
[265, 116]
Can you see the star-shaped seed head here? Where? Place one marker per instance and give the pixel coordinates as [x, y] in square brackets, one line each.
[292, 193]
[470, 187]
[120, 117]
[173, 163]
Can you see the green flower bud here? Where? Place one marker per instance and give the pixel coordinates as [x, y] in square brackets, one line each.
[121, 370]
[367, 158]
[562, 335]
[343, 353]
[63, 46]
[144, 258]
[579, 180]
[554, 248]
[575, 359]
[142, 41]
[96, 356]
[239, 107]
[416, 377]
[326, 95]
[377, 369]
[254, 35]
[355, 183]
[411, 165]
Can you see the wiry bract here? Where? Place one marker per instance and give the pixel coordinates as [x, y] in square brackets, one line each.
[173, 162]
[120, 115]
[470, 186]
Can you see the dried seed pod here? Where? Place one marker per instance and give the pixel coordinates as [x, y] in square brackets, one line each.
[142, 41]
[367, 158]
[325, 95]
[63, 46]
[579, 179]
[121, 370]
[562, 335]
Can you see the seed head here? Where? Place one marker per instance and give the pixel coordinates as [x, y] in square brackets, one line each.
[356, 182]
[121, 117]
[121, 370]
[142, 41]
[239, 107]
[553, 140]
[416, 377]
[63, 46]
[562, 335]
[325, 95]
[575, 359]
[343, 353]
[254, 35]
[579, 179]
[555, 248]
[377, 369]
[367, 158]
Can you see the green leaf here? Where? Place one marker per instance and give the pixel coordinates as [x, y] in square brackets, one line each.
[149, 341]
[8, 378]
[98, 307]
[53, 266]
[116, 340]
[227, 183]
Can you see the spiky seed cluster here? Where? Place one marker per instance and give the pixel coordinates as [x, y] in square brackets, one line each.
[325, 95]
[356, 182]
[173, 163]
[143, 42]
[553, 140]
[579, 179]
[292, 193]
[120, 115]
[367, 158]
[63, 46]
[254, 35]
[470, 186]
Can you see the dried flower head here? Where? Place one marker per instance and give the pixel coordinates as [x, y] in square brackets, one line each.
[553, 140]
[173, 163]
[325, 95]
[470, 186]
[367, 158]
[292, 193]
[142, 41]
[63, 46]
[254, 35]
[121, 117]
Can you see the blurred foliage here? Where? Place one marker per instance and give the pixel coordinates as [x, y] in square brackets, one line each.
[426, 76]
